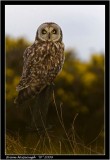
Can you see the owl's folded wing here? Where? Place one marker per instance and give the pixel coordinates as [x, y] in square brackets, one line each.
[25, 78]
[31, 71]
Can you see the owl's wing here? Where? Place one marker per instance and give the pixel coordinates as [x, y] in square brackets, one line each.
[26, 53]
[33, 57]
[25, 78]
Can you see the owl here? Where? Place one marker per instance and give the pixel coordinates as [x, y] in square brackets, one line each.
[43, 60]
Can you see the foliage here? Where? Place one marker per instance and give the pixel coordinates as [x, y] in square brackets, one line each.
[79, 88]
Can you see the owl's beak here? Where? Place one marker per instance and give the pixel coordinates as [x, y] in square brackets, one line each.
[49, 36]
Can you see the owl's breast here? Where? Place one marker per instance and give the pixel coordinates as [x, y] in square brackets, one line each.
[48, 57]
[55, 58]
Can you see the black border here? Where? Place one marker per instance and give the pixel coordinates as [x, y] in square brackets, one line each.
[106, 3]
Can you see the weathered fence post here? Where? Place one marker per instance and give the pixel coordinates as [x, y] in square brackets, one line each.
[40, 108]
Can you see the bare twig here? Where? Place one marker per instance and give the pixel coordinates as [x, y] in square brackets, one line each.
[61, 121]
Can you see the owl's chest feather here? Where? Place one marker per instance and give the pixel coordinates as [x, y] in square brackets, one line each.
[48, 57]
[54, 55]
[49, 53]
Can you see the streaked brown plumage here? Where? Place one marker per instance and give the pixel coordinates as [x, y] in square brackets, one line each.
[42, 62]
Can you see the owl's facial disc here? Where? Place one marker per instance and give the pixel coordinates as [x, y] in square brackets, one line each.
[49, 32]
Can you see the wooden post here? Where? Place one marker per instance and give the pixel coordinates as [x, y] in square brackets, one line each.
[40, 108]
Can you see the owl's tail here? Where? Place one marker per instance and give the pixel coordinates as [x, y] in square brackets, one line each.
[26, 94]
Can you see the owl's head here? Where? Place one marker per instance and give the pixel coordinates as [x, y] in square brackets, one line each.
[49, 32]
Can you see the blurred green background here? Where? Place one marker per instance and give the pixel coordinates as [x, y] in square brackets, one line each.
[79, 88]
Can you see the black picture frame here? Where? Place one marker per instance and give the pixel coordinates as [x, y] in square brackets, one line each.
[3, 155]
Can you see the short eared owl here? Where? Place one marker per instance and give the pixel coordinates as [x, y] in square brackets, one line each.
[42, 61]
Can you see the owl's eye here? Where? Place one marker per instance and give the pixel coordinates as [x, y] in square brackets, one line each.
[54, 31]
[44, 31]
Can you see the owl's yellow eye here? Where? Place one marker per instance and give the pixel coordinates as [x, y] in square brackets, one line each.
[54, 31]
[44, 31]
